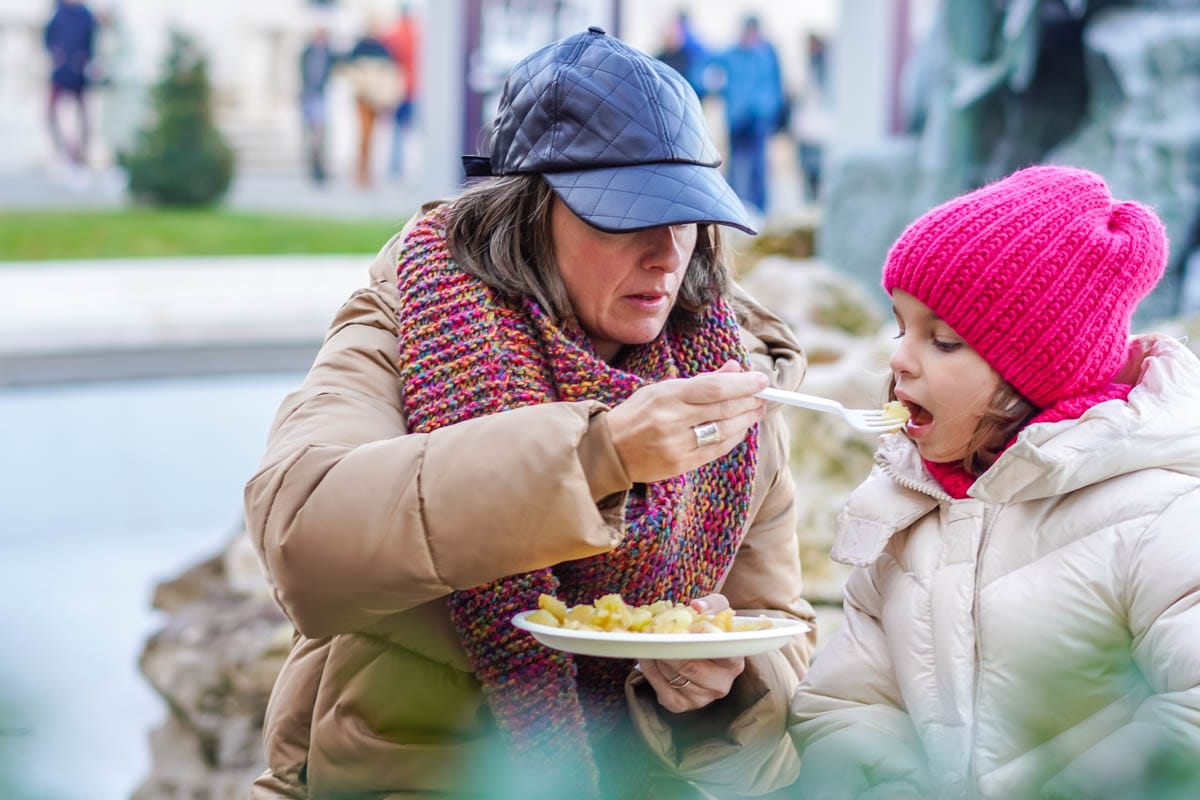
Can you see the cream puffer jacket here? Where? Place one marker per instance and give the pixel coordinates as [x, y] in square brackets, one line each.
[363, 529]
[1038, 639]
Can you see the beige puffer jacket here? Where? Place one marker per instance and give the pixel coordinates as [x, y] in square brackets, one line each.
[1042, 635]
[364, 529]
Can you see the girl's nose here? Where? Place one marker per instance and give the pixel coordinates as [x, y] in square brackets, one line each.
[902, 361]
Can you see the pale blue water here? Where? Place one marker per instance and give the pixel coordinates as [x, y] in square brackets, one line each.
[105, 489]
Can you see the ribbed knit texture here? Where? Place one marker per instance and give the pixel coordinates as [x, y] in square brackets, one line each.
[465, 353]
[1039, 272]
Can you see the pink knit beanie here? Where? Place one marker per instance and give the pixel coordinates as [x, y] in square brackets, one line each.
[1039, 272]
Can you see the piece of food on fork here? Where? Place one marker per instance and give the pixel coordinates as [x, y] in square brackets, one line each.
[897, 411]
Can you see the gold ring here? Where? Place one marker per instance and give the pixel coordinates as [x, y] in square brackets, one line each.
[706, 434]
[673, 683]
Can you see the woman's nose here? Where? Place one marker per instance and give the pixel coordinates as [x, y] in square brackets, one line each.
[665, 248]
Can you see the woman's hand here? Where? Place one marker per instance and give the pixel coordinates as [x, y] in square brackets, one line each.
[653, 433]
[691, 684]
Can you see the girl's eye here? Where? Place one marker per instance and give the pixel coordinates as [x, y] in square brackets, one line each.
[899, 335]
[946, 347]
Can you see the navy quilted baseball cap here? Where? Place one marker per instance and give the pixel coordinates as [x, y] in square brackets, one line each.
[618, 134]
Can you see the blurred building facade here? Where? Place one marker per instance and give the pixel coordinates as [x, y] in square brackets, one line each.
[254, 50]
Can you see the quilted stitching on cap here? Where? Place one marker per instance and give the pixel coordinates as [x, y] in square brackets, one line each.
[593, 111]
[621, 136]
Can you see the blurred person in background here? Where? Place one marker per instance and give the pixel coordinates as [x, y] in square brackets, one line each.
[811, 121]
[403, 41]
[377, 86]
[683, 51]
[559, 399]
[754, 103]
[316, 64]
[69, 37]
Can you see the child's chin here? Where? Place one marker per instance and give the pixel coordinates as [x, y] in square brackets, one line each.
[938, 456]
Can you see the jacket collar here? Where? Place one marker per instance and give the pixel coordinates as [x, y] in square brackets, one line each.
[897, 493]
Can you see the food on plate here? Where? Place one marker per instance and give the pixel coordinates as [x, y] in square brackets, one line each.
[895, 410]
[612, 613]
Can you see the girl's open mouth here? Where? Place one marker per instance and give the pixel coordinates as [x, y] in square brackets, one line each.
[920, 420]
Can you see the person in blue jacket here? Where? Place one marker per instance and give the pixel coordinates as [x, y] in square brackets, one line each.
[754, 102]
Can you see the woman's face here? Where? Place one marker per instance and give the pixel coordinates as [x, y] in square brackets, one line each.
[622, 286]
[944, 383]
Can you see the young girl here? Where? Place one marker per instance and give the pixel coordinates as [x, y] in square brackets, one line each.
[1024, 619]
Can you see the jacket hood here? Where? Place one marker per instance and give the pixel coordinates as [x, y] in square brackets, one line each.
[1157, 427]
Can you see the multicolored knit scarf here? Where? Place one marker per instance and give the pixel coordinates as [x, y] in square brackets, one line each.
[465, 353]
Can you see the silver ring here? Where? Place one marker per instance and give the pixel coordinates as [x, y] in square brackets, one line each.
[706, 434]
[673, 682]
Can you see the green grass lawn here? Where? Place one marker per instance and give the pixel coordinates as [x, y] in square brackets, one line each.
[39, 235]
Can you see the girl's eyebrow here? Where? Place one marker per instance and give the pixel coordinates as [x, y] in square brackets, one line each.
[932, 315]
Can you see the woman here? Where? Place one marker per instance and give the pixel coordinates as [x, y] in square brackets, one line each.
[570, 412]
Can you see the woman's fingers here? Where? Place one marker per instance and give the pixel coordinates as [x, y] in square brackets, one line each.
[691, 684]
[675, 426]
[729, 433]
[710, 603]
[715, 387]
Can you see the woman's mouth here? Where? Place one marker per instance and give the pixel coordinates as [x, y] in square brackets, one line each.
[651, 301]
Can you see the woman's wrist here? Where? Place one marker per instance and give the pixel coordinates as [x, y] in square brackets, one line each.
[598, 457]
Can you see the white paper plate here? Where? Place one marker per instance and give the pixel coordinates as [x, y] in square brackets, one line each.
[623, 644]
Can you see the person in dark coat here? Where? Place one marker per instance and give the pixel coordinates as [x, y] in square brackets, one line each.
[70, 40]
[316, 64]
[684, 52]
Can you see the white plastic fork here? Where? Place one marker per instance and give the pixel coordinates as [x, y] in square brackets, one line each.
[869, 420]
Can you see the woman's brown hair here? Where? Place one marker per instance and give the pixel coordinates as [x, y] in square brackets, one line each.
[499, 231]
[1006, 414]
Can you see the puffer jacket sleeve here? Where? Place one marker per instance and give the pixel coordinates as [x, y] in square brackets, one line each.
[1157, 754]
[356, 519]
[847, 717]
[748, 751]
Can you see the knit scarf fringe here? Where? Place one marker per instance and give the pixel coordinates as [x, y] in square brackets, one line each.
[465, 353]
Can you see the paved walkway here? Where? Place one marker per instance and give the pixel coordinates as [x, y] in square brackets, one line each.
[114, 319]
[124, 318]
[274, 193]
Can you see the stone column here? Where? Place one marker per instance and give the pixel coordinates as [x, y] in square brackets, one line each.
[442, 98]
[866, 55]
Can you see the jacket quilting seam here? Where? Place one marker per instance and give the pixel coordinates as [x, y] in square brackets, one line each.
[1141, 537]
[421, 511]
[260, 537]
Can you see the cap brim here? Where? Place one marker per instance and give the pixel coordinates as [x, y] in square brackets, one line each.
[640, 196]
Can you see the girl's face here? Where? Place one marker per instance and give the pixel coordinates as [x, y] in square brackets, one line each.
[622, 286]
[944, 383]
